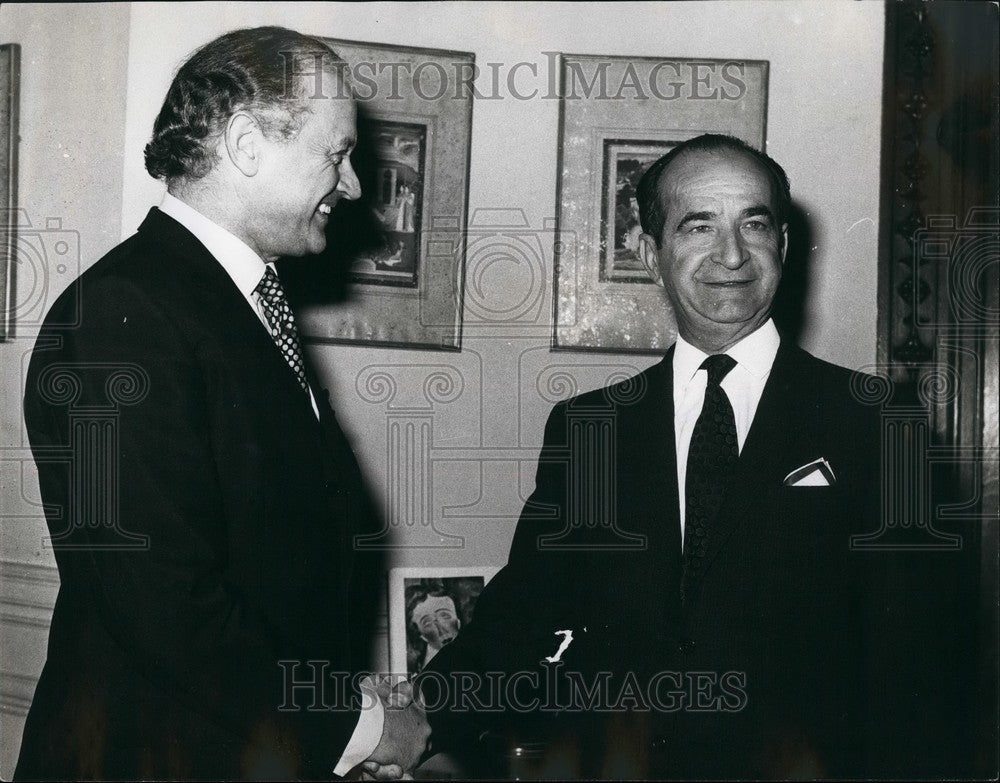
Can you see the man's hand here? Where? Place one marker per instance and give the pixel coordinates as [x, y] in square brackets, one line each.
[404, 734]
[398, 695]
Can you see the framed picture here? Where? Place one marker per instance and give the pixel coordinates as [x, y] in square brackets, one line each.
[393, 271]
[617, 116]
[9, 64]
[624, 164]
[397, 203]
[428, 607]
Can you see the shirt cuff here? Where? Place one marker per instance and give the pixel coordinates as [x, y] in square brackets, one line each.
[367, 734]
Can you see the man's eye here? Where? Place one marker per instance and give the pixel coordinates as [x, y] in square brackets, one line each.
[758, 225]
[699, 229]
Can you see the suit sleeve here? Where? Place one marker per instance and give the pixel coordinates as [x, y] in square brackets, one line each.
[168, 605]
[514, 625]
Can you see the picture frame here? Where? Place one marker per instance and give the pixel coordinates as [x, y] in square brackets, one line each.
[445, 599]
[616, 116]
[399, 251]
[10, 58]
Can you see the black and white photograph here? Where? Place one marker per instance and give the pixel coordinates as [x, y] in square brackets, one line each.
[500, 391]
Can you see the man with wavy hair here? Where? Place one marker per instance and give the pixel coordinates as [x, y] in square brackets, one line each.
[211, 604]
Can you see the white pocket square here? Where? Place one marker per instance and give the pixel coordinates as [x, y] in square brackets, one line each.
[817, 473]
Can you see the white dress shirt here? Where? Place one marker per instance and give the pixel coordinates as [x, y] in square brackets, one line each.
[743, 385]
[246, 269]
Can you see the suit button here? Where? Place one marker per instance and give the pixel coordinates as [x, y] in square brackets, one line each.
[685, 645]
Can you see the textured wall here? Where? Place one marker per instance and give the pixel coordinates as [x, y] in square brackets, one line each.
[73, 68]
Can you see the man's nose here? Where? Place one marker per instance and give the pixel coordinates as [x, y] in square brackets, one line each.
[731, 252]
[349, 185]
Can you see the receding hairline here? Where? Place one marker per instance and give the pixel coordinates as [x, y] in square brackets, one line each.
[662, 181]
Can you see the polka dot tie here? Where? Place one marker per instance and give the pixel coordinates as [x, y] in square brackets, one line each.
[281, 323]
[711, 463]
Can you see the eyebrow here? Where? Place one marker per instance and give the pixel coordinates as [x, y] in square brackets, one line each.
[691, 217]
[759, 211]
[756, 211]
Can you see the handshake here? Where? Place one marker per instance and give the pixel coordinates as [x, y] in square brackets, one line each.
[405, 733]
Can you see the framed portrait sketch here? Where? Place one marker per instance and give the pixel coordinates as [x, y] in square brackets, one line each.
[394, 267]
[9, 63]
[617, 116]
[428, 608]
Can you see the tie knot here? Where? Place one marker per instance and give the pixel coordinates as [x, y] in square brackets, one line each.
[717, 367]
[269, 287]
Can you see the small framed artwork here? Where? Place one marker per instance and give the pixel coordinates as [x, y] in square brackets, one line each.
[9, 63]
[393, 271]
[617, 116]
[428, 607]
[624, 163]
[397, 203]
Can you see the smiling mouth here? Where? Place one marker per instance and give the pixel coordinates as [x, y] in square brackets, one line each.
[326, 206]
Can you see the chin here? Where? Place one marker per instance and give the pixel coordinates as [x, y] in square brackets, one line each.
[315, 245]
[733, 313]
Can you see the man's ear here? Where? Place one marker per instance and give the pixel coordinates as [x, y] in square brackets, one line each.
[649, 254]
[784, 243]
[243, 138]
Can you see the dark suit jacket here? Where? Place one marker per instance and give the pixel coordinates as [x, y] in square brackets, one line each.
[165, 415]
[759, 674]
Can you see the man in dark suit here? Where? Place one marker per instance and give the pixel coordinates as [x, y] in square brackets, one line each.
[207, 620]
[689, 534]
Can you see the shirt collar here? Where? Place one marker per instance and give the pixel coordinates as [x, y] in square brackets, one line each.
[241, 263]
[687, 360]
[754, 353]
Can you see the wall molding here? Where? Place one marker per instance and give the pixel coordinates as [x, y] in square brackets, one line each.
[27, 593]
[27, 596]
[16, 691]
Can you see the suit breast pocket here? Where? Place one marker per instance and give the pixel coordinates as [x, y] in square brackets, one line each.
[808, 511]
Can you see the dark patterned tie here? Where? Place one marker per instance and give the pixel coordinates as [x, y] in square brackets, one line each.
[711, 463]
[281, 322]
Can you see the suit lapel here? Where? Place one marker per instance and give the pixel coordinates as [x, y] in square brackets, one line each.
[780, 431]
[652, 483]
[213, 290]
